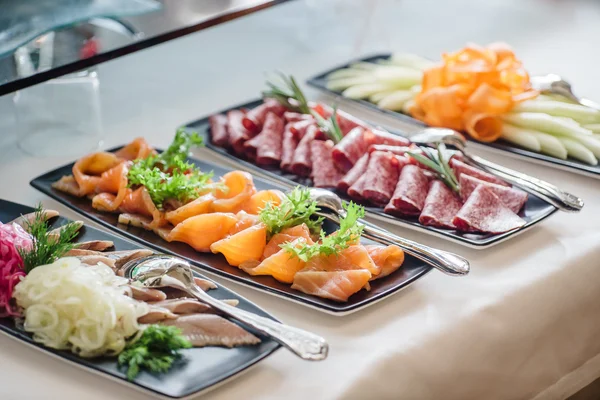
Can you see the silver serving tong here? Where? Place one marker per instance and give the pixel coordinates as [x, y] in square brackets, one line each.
[560, 199]
[555, 84]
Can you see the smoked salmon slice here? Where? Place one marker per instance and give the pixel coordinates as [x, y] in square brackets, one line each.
[282, 265]
[353, 257]
[244, 246]
[245, 221]
[137, 149]
[113, 181]
[286, 236]
[240, 188]
[87, 170]
[201, 205]
[334, 285]
[202, 231]
[140, 202]
[388, 258]
[258, 200]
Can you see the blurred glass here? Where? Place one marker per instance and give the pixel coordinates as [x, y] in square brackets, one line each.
[60, 117]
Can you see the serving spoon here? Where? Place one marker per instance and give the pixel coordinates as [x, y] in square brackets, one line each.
[555, 84]
[560, 199]
[448, 263]
[161, 270]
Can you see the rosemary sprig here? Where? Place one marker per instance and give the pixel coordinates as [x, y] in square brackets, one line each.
[439, 164]
[292, 98]
[46, 249]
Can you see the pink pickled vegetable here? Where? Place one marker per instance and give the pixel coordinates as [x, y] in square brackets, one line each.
[12, 238]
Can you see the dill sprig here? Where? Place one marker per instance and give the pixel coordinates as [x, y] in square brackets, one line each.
[439, 164]
[156, 350]
[295, 209]
[349, 233]
[46, 249]
[292, 98]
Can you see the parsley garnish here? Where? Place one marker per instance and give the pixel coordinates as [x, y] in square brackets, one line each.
[168, 175]
[156, 350]
[333, 244]
[295, 209]
[46, 249]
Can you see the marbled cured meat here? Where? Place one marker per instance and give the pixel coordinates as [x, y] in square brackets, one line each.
[288, 147]
[265, 148]
[460, 168]
[347, 152]
[324, 173]
[237, 133]
[386, 138]
[441, 205]
[255, 118]
[291, 116]
[352, 176]
[410, 193]
[398, 150]
[299, 128]
[302, 162]
[219, 132]
[512, 198]
[485, 212]
[377, 183]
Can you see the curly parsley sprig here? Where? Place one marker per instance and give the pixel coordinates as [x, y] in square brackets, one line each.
[349, 232]
[295, 209]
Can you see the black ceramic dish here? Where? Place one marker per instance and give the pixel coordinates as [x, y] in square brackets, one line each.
[411, 270]
[500, 146]
[534, 211]
[203, 367]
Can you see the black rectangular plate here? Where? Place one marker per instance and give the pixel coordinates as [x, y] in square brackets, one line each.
[411, 270]
[534, 211]
[570, 164]
[203, 368]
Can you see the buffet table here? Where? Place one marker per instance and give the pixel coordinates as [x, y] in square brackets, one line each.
[525, 324]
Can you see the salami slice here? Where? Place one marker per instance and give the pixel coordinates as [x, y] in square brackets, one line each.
[288, 147]
[377, 184]
[255, 118]
[485, 212]
[219, 133]
[461, 167]
[299, 128]
[410, 193]
[345, 121]
[302, 162]
[347, 152]
[326, 175]
[352, 176]
[237, 133]
[291, 116]
[398, 150]
[386, 138]
[512, 198]
[265, 148]
[441, 205]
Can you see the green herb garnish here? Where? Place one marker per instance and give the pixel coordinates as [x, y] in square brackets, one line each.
[168, 176]
[349, 232]
[297, 208]
[156, 350]
[292, 98]
[46, 249]
[439, 164]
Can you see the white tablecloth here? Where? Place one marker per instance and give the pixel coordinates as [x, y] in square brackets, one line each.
[524, 324]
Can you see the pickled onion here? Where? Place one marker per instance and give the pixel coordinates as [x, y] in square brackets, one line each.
[12, 238]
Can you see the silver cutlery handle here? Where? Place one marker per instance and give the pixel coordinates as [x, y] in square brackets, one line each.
[448, 263]
[589, 103]
[558, 198]
[304, 344]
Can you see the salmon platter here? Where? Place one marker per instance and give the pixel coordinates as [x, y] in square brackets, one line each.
[232, 224]
[532, 127]
[61, 291]
[432, 190]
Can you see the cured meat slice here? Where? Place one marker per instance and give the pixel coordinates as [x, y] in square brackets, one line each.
[288, 147]
[379, 180]
[485, 212]
[347, 152]
[441, 205]
[237, 133]
[352, 176]
[324, 172]
[265, 148]
[291, 116]
[302, 162]
[512, 198]
[410, 193]
[345, 121]
[387, 138]
[299, 128]
[253, 121]
[461, 167]
[219, 132]
[398, 150]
